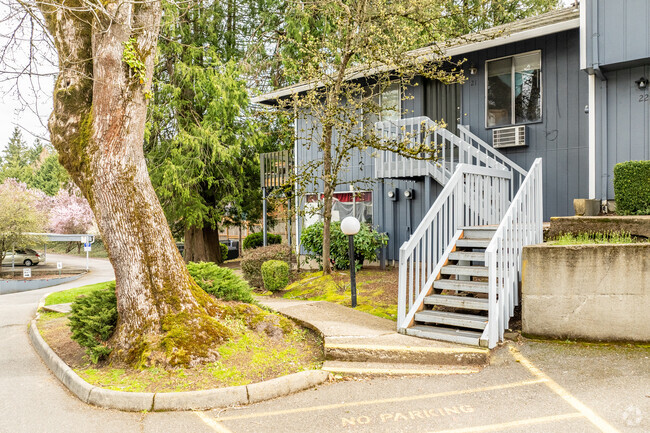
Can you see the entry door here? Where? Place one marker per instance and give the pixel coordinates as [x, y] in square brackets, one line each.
[442, 102]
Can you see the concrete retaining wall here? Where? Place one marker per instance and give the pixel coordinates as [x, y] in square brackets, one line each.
[15, 286]
[592, 292]
[635, 225]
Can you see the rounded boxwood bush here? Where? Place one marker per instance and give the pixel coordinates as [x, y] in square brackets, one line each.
[275, 275]
[93, 320]
[220, 282]
[224, 252]
[366, 244]
[251, 263]
[632, 187]
[256, 240]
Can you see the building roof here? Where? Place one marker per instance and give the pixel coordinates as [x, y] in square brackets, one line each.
[545, 24]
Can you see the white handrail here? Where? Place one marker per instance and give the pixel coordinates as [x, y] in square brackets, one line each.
[473, 196]
[446, 151]
[518, 173]
[521, 226]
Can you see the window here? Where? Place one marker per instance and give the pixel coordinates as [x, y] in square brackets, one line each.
[349, 203]
[514, 90]
[390, 101]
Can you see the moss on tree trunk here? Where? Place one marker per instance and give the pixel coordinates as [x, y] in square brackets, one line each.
[97, 126]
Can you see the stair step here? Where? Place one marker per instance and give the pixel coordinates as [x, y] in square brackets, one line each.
[467, 255]
[452, 319]
[391, 369]
[463, 286]
[479, 232]
[473, 243]
[457, 302]
[474, 271]
[445, 334]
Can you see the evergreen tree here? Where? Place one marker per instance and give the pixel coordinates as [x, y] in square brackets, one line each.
[16, 159]
[203, 142]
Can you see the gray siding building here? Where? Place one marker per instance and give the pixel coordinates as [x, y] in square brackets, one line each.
[572, 85]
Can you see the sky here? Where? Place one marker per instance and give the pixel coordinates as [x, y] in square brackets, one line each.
[26, 102]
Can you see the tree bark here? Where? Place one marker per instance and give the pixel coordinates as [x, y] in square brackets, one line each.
[97, 126]
[202, 245]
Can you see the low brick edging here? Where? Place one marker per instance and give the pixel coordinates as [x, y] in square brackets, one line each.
[168, 401]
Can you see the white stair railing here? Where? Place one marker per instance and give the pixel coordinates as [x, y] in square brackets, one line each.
[447, 151]
[518, 173]
[473, 196]
[521, 226]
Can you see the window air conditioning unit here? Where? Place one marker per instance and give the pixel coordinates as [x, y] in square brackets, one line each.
[509, 137]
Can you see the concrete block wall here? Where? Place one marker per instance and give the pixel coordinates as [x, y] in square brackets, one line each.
[587, 292]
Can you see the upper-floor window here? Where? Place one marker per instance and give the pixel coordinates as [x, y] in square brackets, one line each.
[514, 90]
[389, 103]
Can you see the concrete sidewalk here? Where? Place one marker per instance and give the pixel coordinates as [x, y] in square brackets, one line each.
[360, 343]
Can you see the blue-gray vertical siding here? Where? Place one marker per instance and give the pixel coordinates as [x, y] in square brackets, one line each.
[561, 138]
[620, 30]
[627, 113]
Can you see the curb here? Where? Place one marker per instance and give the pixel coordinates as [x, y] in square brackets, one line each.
[170, 401]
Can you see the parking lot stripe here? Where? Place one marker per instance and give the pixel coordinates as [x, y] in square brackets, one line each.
[216, 426]
[596, 420]
[383, 401]
[514, 424]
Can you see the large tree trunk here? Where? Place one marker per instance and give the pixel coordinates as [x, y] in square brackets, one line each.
[202, 245]
[97, 126]
[327, 198]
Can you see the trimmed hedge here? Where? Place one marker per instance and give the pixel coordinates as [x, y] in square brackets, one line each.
[256, 240]
[224, 252]
[366, 244]
[632, 187]
[251, 263]
[223, 283]
[275, 275]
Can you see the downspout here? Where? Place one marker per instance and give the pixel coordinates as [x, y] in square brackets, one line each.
[603, 111]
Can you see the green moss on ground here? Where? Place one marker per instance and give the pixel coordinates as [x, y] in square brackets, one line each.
[376, 290]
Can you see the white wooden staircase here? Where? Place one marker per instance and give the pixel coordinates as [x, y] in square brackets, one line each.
[459, 271]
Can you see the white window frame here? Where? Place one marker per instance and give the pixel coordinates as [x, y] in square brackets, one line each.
[513, 121]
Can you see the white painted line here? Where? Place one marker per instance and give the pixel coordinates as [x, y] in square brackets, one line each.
[513, 424]
[211, 422]
[383, 401]
[596, 420]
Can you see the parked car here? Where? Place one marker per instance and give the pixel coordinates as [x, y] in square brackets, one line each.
[27, 257]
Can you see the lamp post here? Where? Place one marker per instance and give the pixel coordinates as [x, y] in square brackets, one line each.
[350, 226]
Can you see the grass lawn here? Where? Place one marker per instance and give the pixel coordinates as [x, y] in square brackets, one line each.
[595, 238]
[68, 296]
[376, 290]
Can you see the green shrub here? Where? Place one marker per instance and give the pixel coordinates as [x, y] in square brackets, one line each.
[223, 283]
[224, 252]
[256, 240]
[632, 187]
[366, 244]
[275, 275]
[251, 263]
[93, 320]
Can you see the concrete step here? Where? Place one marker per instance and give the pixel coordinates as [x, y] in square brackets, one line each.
[463, 286]
[445, 334]
[467, 255]
[451, 319]
[479, 232]
[472, 271]
[473, 243]
[390, 369]
[457, 302]
[404, 354]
